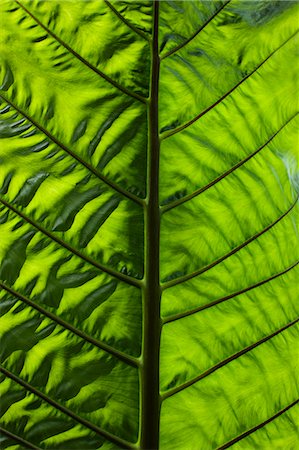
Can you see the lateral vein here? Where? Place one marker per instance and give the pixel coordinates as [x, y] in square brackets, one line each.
[112, 272]
[100, 344]
[261, 425]
[115, 439]
[183, 44]
[80, 58]
[126, 22]
[88, 166]
[179, 280]
[167, 134]
[194, 194]
[181, 315]
[19, 439]
[224, 362]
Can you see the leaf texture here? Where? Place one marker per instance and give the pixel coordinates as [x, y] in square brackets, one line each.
[149, 224]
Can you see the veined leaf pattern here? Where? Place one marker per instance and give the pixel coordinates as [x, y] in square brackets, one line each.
[148, 223]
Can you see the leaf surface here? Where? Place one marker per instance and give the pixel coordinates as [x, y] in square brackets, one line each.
[149, 224]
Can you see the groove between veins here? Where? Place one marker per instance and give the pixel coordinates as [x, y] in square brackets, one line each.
[107, 348]
[224, 362]
[261, 425]
[83, 60]
[187, 277]
[115, 439]
[167, 134]
[114, 186]
[225, 174]
[181, 315]
[122, 277]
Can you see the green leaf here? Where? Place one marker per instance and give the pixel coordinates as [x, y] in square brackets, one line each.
[148, 223]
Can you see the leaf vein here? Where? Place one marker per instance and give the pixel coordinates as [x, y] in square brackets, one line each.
[234, 250]
[225, 174]
[261, 425]
[226, 361]
[107, 348]
[126, 22]
[227, 297]
[115, 439]
[183, 44]
[83, 60]
[167, 134]
[73, 155]
[112, 272]
[19, 439]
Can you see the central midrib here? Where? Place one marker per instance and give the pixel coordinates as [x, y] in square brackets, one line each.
[150, 398]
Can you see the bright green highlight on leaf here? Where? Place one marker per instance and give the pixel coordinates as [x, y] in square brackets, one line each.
[149, 224]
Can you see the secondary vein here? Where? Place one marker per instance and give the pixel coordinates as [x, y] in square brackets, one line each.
[234, 250]
[80, 58]
[225, 174]
[167, 134]
[112, 272]
[183, 314]
[236, 355]
[257, 427]
[100, 344]
[88, 166]
[183, 44]
[126, 22]
[115, 439]
[19, 439]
